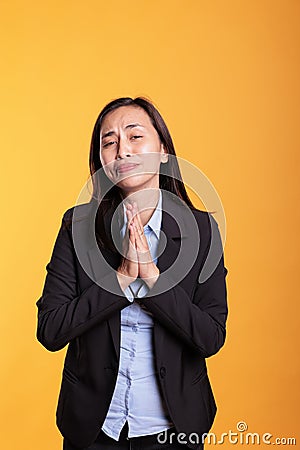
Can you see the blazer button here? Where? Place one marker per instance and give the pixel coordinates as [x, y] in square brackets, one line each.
[162, 372]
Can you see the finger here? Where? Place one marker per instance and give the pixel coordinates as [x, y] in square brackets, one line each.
[129, 246]
[142, 246]
[132, 233]
[138, 224]
[141, 243]
[132, 244]
[138, 218]
[129, 214]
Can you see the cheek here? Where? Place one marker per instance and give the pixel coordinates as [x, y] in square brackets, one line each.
[103, 158]
[151, 146]
[107, 165]
[106, 159]
[151, 160]
[150, 154]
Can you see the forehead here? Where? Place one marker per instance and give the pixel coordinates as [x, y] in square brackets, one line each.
[125, 115]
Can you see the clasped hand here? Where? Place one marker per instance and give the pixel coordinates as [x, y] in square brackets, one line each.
[137, 260]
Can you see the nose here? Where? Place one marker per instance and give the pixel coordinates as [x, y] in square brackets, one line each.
[124, 149]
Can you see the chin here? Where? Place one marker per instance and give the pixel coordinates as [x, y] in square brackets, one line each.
[135, 183]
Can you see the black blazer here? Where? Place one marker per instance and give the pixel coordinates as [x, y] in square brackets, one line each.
[189, 322]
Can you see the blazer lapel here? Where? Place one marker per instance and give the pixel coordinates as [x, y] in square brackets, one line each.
[168, 249]
[113, 261]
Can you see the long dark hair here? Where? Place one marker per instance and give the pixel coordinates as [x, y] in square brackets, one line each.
[170, 181]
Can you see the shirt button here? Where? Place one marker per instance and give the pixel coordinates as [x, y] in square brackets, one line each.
[131, 354]
[162, 372]
[135, 328]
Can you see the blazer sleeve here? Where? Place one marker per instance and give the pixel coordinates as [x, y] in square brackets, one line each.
[198, 320]
[63, 312]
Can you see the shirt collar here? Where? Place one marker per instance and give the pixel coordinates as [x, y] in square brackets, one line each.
[155, 220]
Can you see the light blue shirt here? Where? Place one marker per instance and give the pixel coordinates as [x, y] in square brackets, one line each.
[137, 398]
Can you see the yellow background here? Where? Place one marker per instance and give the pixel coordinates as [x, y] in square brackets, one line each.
[225, 76]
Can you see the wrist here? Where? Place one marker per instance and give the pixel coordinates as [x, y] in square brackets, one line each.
[150, 281]
[124, 280]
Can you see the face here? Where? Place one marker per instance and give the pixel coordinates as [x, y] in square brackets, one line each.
[130, 149]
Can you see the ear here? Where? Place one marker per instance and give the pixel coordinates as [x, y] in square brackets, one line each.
[164, 154]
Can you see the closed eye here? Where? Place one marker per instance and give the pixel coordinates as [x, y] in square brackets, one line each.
[107, 144]
[136, 137]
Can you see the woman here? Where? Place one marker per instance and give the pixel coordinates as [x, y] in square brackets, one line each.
[138, 321]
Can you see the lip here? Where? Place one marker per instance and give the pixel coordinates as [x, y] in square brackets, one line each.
[126, 167]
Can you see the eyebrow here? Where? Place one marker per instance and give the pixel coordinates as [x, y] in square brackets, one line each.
[131, 125]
